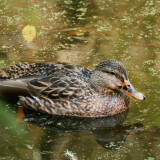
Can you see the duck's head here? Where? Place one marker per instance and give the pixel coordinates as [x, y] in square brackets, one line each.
[111, 75]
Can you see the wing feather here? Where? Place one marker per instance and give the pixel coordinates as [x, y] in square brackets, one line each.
[57, 88]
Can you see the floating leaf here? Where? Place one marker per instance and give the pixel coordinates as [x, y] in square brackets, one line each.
[29, 33]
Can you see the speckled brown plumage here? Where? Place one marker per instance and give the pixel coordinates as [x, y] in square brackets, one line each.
[96, 105]
[69, 90]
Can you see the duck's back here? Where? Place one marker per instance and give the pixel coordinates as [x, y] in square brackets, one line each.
[30, 70]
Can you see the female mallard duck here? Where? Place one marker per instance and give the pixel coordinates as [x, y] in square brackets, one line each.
[69, 90]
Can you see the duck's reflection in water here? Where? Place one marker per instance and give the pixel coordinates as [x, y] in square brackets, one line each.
[107, 131]
[114, 138]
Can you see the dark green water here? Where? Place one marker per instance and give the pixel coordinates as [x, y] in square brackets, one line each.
[84, 33]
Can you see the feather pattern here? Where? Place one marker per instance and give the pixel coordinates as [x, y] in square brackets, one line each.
[65, 90]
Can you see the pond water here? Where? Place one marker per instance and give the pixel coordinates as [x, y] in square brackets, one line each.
[84, 33]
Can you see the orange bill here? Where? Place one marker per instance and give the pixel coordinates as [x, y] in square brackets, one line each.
[130, 90]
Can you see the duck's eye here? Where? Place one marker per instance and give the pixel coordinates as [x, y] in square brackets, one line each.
[112, 73]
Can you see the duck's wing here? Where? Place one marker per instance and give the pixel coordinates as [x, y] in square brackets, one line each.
[60, 87]
[47, 79]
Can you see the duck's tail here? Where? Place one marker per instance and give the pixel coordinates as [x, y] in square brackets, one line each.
[11, 89]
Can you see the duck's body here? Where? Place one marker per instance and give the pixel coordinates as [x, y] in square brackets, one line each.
[69, 90]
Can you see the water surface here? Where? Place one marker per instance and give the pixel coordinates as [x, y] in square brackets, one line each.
[84, 33]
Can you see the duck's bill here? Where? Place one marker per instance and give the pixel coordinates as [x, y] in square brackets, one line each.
[129, 89]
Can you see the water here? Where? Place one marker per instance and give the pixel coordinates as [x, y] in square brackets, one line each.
[84, 33]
